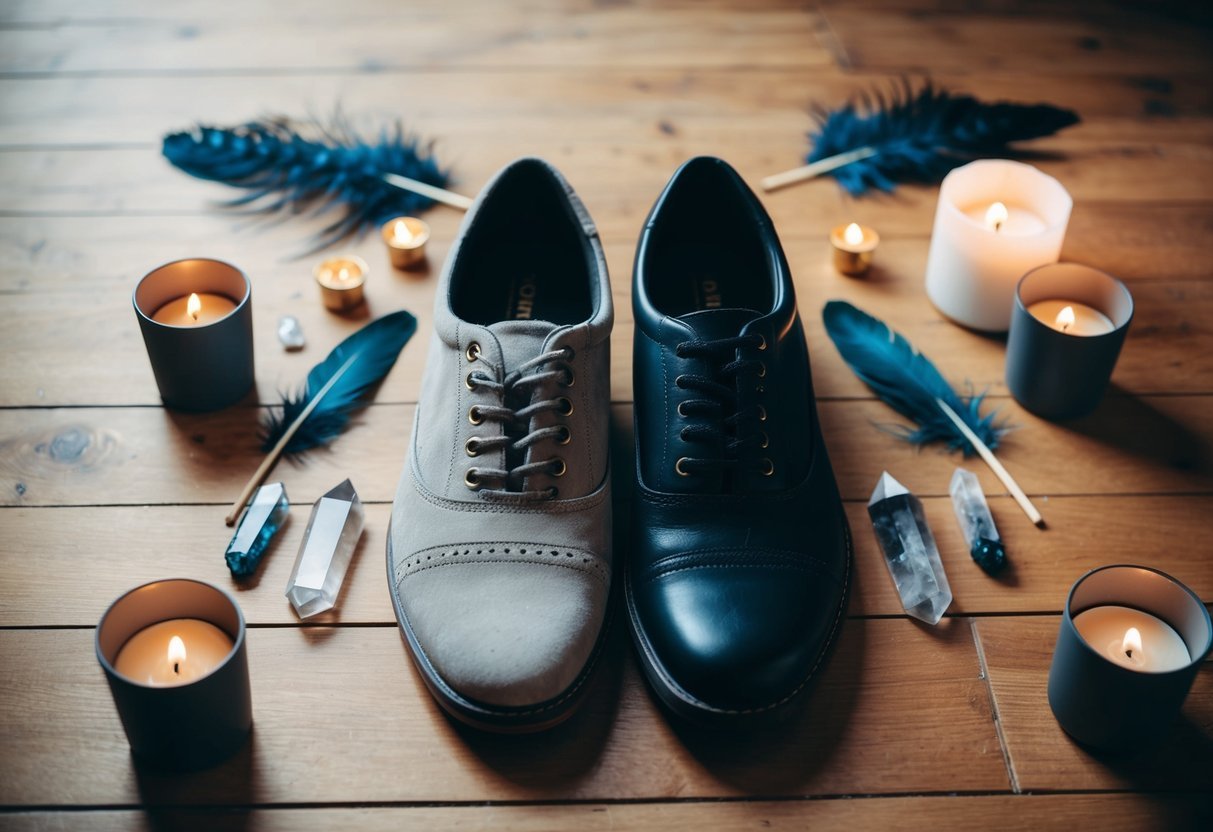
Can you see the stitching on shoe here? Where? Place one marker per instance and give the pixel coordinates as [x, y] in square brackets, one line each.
[726, 557]
[591, 572]
[475, 553]
[677, 689]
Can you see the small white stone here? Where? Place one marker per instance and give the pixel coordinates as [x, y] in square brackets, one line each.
[290, 333]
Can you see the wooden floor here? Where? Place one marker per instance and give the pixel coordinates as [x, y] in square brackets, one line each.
[912, 727]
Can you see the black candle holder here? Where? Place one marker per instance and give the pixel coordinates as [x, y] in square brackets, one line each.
[183, 727]
[1054, 374]
[1106, 705]
[205, 367]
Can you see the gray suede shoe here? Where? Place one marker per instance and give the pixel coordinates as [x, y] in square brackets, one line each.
[499, 553]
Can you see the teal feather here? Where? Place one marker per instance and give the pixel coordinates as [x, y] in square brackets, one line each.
[362, 360]
[906, 380]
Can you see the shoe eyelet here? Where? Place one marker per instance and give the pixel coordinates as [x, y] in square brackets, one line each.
[762, 413]
[572, 379]
[682, 412]
[473, 351]
[569, 353]
[472, 446]
[553, 493]
[762, 370]
[472, 479]
[565, 437]
[678, 382]
[678, 466]
[762, 342]
[558, 467]
[566, 406]
[760, 388]
[469, 382]
[766, 440]
[474, 415]
[768, 467]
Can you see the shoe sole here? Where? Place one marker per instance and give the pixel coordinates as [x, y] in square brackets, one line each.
[497, 719]
[695, 710]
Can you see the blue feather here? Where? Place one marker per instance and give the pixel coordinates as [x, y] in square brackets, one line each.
[284, 171]
[905, 379]
[362, 360]
[920, 136]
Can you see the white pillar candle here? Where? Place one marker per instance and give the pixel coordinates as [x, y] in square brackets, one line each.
[1133, 639]
[995, 220]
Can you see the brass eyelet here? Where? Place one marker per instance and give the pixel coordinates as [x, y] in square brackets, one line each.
[682, 412]
[572, 379]
[762, 342]
[474, 415]
[566, 406]
[682, 472]
[469, 382]
[473, 351]
[558, 467]
[766, 440]
[762, 413]
[565, 437]
[472, 478]
[472, 446]
[762, 370]
[768, 467]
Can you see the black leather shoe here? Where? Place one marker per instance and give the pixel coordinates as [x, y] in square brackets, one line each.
[740, 559]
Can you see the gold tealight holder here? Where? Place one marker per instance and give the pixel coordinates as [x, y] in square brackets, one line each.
[406, 238]
[340, 279]
[853, 248]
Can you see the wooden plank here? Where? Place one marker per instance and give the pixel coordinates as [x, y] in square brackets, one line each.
[1013, 813]
[68, 297]
[1043, 758]
[87, 556]
[422, 37]
[1116, 41]
[340, 715]
[122, 456]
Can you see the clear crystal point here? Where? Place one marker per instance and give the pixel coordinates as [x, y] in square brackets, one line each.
[290, 333]
[324, 555]
[976, 522]
[909, 550]
[261, 521]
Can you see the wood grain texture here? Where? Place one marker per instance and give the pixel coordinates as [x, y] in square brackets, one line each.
[150, 456]
[87, 556]
[1018, 813]
[899, 709]
[1043, 757]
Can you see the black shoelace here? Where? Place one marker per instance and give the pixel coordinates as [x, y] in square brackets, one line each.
[731, 422]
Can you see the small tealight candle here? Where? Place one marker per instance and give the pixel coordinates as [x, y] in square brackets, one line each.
[1133, 639]
[853, 246]
[173, 652]
[1071, 317]
[196, 309]
[406, 238]
[341, 280]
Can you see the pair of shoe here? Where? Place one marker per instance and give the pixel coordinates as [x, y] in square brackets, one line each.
[500, 553]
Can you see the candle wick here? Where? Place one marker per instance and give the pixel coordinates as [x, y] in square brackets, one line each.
[1129, 653]
[177, 668]
[998, 226]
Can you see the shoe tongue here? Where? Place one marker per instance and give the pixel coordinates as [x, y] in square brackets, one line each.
[520, 340]
[711, 324]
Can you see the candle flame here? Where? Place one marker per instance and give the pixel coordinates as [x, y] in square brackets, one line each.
[401, 233]
[853, 234]
[176, 652]
[193, 306]
[996, 215]
[1132, 642]
[1065, 320]
[343, 275]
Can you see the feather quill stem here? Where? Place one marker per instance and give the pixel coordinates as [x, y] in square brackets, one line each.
[442, 195]
[1002, 473]
[818, 168]
[272, 457]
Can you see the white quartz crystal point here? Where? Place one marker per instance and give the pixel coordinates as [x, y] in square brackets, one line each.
[324, 555]
[909, 550]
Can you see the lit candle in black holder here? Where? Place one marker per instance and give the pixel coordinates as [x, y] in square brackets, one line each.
[197, 321]
[1131, 641]
[1067, 327]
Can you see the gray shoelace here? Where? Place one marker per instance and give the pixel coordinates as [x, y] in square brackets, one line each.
[518, 435]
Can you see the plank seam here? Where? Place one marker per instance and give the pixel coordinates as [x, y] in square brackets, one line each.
[1002, 739]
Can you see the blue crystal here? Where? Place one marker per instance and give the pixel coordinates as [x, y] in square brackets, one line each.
[265, 516]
